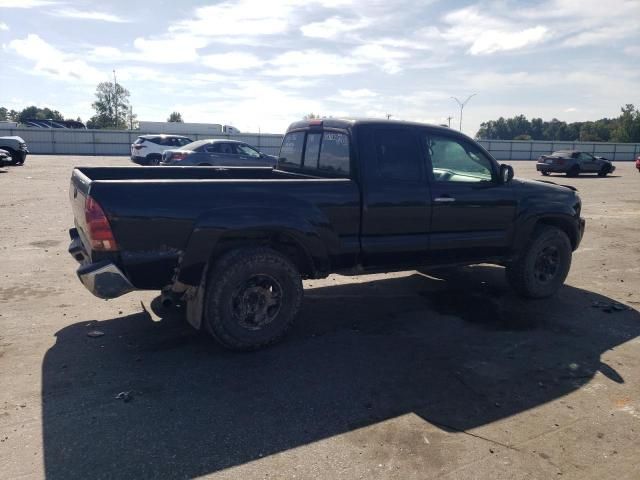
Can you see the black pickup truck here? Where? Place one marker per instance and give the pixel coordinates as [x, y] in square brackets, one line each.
[347, 196]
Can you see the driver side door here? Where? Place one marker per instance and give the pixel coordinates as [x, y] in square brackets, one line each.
[472, 210]
[588, 163]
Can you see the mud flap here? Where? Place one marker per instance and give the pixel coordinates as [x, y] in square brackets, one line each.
[194, 297]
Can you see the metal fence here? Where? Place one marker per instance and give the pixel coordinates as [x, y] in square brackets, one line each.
[532, 149]
[117, 142]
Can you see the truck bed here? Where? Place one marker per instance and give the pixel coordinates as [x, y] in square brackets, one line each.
[159, 213]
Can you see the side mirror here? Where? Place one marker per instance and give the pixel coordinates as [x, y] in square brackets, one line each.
[506, 173]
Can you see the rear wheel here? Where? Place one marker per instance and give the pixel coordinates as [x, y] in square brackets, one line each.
[573, 171]
[153, 159]
[543, 265]
[252, 298]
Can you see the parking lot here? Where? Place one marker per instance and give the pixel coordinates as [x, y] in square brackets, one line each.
[412, 375]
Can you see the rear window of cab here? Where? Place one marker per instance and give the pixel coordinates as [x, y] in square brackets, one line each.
[323, 152]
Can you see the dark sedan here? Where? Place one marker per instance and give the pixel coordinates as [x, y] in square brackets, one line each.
[218, 152]
[573, 163]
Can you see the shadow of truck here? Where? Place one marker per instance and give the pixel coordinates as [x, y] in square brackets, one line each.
[450, 349]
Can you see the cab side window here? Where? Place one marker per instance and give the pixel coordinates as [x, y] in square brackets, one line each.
[457, 161]
[334, 154]
[397, 155]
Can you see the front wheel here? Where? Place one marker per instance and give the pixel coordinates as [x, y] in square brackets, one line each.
[543, 265]
[573, 171]
[603, 171]
[252, 298]
[545, 174]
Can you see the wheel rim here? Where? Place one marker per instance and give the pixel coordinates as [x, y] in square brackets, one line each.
[547, 264]
[257, 301]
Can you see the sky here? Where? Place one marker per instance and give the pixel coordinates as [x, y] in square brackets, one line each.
[262, 64]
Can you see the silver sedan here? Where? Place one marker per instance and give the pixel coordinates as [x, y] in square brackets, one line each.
[218, 152]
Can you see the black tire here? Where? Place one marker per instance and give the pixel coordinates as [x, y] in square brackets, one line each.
[153, 159]
[252, 298]
[545, 174]
[603, 171]
[15, 157]
[573, 171]
[543, 265]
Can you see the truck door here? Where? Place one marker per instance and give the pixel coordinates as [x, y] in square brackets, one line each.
[473, 210]
[396, 200]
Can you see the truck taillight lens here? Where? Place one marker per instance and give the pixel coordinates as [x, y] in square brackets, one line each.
[98, 228]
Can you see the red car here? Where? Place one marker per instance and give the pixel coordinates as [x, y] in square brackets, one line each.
[638, 163]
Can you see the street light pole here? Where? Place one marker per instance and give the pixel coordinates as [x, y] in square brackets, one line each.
[115, 98]
[462, 104]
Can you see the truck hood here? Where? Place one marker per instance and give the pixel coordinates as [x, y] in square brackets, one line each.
[543, 185]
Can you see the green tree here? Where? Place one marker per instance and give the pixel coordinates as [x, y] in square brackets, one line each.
[4, 113]
[38, 113]
[111, 106]
[627, 128]
[175, 117]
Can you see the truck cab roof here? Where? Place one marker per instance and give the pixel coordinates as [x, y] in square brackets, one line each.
[350, 123]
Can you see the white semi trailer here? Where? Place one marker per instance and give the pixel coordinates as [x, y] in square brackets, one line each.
[178, 128]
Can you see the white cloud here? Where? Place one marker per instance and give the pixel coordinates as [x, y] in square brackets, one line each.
[309, 63]
[179, 49]
[332, 28]
[25, 3]
[232, 61]
[89, 15]
[252, 105]
[633, 50]
[570, 109]
[52, 62]
[298, 82]
[358, 93]
[4, 27]
[238, 18]
[484, 34]
[587, 22]
[389, 59]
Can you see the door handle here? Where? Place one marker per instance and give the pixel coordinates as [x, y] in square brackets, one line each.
[444, 199]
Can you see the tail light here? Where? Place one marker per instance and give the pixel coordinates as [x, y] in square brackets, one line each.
[138, 147]
[178, 156]
[560, 161]
[98, 228]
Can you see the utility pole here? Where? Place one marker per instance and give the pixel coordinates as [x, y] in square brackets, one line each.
[462, 104]
[115, 99]
[389, 116]
[449, 118]
[130, 117]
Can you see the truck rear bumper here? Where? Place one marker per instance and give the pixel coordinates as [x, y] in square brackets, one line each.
[104, 279]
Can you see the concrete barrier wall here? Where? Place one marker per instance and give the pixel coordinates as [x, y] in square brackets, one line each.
[117, 142]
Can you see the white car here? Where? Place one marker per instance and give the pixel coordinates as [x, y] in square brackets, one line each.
[147, 149]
